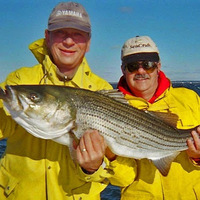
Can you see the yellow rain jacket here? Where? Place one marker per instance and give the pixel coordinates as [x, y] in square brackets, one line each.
[37, 169]
[183, 180]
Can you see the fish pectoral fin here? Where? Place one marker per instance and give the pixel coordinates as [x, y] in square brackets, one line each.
[163, 164]
[71, 132]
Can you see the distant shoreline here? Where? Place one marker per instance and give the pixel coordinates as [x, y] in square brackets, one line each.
[193, 85]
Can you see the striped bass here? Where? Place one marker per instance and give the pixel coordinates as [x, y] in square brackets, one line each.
[59, 113]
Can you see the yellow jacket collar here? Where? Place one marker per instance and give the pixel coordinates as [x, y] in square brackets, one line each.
[162, 102]
[39, 50]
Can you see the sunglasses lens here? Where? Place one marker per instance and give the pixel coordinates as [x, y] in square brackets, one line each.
[146, 65]
[132, 67]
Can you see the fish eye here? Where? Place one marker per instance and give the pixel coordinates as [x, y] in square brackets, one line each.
[34, 97]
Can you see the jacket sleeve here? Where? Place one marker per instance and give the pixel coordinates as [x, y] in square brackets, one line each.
[7, 124]
[120, 172]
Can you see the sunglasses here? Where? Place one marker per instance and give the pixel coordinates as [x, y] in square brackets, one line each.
[148, 66]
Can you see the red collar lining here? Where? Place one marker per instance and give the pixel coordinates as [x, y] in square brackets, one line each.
[163, 84]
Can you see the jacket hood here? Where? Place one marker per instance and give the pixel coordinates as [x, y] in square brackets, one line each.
[39, 49]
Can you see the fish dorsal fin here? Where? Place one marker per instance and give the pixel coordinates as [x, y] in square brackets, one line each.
[169, 118]
[115, 94]
[163, 164]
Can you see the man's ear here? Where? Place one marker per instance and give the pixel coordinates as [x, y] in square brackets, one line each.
[123, 69]
[88, 45]
[159, 66]
[46, 37]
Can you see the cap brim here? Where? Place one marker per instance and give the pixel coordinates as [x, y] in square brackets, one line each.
[61, 25]
[153, 57]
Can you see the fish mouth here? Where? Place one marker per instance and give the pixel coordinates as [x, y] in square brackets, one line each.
[11, 100]
[2, 93]
[6, 94]
[9, 94]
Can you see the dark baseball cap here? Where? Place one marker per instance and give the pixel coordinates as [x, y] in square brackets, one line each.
[69, 15]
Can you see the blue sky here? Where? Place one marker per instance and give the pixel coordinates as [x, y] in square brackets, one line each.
[173, 25]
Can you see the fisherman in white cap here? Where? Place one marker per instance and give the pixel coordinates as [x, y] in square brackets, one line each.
[146, 87]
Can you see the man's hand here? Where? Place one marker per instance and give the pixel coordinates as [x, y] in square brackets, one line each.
[194, 146]
[91, 150]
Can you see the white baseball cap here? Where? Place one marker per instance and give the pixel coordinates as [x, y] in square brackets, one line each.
[139, 48]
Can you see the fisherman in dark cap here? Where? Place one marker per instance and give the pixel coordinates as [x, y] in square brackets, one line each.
[38, 169]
